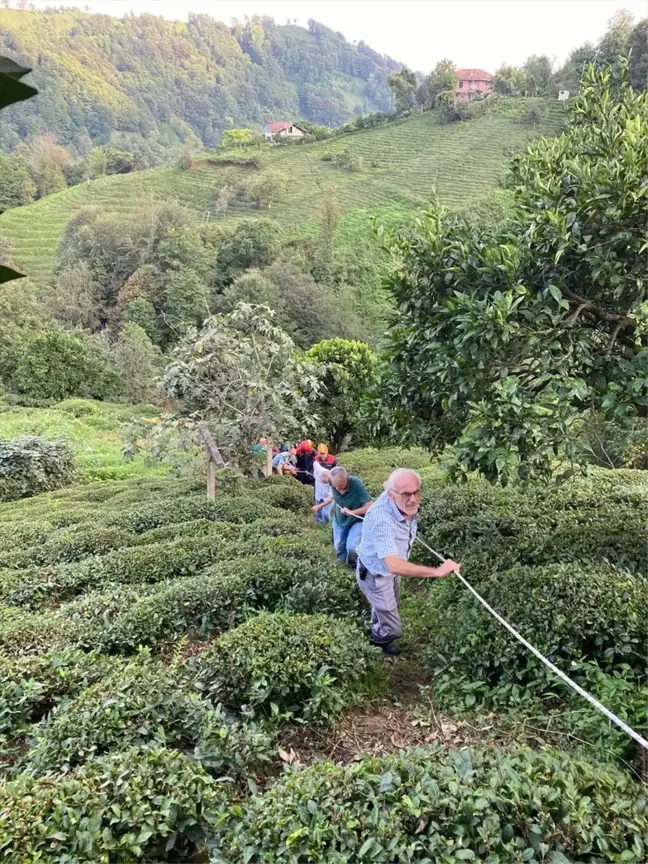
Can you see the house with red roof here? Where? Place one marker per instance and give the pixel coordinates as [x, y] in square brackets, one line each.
[472, 83]
[283, 129]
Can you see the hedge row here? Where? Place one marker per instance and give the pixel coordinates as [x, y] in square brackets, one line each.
[156, 805]
[288, 666]
[144, 703]
[573, 614]
[431, 805]
[288, 573]
[223, 596]
[30, 686]
[155, 562]
[490, 529]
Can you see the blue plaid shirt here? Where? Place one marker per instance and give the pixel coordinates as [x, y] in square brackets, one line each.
[385, 531]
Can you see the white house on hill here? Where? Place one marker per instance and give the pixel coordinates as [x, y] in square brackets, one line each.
[284, 129]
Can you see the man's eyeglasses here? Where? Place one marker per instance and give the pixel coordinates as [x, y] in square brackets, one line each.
[409, 495]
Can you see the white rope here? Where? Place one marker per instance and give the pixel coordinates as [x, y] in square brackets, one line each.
[574, 686]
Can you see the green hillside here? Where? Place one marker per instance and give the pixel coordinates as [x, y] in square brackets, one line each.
[401, 163]
[147, 84]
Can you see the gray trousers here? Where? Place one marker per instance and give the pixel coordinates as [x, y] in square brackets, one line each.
[383, 593]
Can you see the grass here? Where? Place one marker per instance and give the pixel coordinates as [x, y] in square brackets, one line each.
[401, 164]
[91, 429]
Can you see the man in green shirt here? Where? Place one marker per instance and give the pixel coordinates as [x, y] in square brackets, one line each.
[351, 500]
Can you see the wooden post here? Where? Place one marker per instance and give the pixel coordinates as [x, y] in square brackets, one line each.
[214, 460]
[211, 477]
[268, 466]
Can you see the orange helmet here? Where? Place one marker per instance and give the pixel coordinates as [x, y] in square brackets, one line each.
[322, 449]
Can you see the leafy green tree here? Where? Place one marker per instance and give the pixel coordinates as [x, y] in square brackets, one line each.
[16, 184]
[241, 375]
[138, 364]
[265, 189]
[142, 314]
[346, 370]
[402, 84]
[537, 75]
[56, 365]
[253, 243]
[102, 161]
[47, 160]
[186, 301]
[639, 55]
[616, 41]
[504, 335]
[237, 137]
[569, 75]
[76, 298]
[306, 310]
[441, 78]
[508, 80]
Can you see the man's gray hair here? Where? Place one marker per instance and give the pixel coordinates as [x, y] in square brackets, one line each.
[338, 473]
[399, 474]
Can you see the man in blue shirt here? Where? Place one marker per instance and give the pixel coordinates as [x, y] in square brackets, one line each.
[352, 501]
[388, 534]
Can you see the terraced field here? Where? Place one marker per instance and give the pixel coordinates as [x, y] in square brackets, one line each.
[401, 164]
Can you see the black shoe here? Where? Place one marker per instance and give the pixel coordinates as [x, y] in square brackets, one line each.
[391, 650]
[387, 648]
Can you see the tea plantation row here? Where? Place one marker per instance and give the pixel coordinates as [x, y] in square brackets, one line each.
[153, 645]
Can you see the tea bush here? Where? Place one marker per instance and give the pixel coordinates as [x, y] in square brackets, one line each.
[302, 666]
[30, 686]
[23, 632]
[431, 805]
[30, 465]
[239, 509]
[66, 545]
[156, 805]
[143, 703]
[570, 613]
[489, 528]
[222, 596]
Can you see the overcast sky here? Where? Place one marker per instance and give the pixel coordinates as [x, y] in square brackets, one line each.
[480, 33]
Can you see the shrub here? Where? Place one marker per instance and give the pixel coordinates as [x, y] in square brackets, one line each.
[571, 614]
[23, 632]
[488, 529]
[143, 703]
[30, 465]
[142, 804]
[430, 805]
[138, 564]
[302, 666]
[205, 603]
[56, 364]
[221, 597]
[240, 509]
[68, 544]
[30, 686]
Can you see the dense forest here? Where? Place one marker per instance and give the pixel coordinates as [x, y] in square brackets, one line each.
[144, 83]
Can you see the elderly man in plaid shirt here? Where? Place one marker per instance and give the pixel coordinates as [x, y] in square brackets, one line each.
[388, 534]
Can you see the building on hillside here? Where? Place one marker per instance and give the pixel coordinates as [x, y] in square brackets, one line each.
[563, 95]
[283, 129]
[472, 83]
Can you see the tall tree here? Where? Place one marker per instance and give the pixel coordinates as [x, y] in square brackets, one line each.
[505, 335]
[241, 375]
[346, 370]
[441, 78]
[403, 85]
[536, 73]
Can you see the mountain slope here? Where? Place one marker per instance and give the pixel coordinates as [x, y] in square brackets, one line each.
[401, 164]
[145, 82]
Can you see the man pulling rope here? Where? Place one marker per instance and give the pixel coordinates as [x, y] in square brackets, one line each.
[388, 535]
